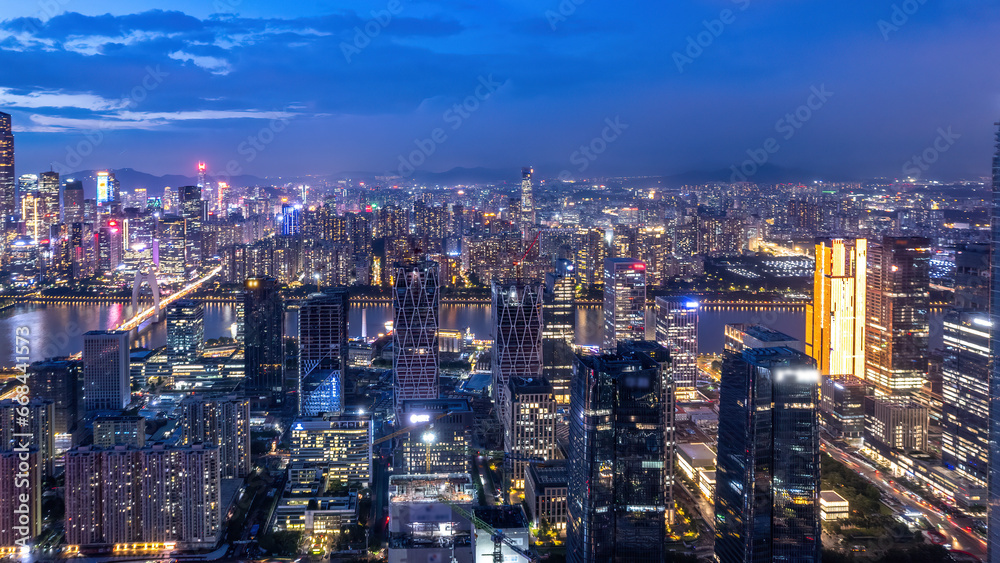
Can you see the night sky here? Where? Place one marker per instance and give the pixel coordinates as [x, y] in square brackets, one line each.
[316, 87]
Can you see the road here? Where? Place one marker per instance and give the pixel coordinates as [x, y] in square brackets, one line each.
[960, 539]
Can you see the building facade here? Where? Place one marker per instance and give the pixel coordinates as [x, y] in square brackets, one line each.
[677, 331]
[416, 316]
[835, 318]
[106, 384]
[624, 301]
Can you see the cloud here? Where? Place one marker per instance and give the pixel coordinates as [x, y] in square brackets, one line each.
[59, 99]
[211, 64]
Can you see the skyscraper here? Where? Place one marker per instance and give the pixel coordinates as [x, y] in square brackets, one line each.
[965, 389]
[185, 330]
[517, 336]
[620, 468]
[835, 318]
[48, 193]
[173, 249]
[624, 301]
[223, 422]
[767, 476]
[993, 518]
[559, 328]
[105, 370]
[416, 304]
[323, 338]
[263, 330]
[898, 314]
[529, 429]
[8, 188]
[73, 201]
[527, 203]
[677, 331]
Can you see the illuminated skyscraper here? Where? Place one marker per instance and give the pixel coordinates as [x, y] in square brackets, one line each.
[185, 330]
[105, 370]
[559, 328]
[527, 203]
[222, 422]
[898, 315]
[173, 249]
[965, 390]
[767, 476]
[677, 331]
[8, 188]
[323, 342]
[48, 194]
[517, 336]
[263, 329]
[993, 519]
[621, 441]
[416, 304]
[73, 201]
[835, 318]
[624, 301]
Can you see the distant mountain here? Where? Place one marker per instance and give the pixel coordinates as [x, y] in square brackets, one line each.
[460, 175]
[131, 179]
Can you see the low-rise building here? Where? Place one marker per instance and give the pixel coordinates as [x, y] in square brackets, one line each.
[833, 506]
[423, 522]
[693, 457]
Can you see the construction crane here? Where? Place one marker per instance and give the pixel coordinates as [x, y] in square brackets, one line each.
[406, 430]
[519, 264]
[498, 537]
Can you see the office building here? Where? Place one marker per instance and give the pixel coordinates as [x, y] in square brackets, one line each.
[73, 201]
[529, 429]
[835, 318]
[898, 304]
[621, 456]
[263, 330]
[767, 475]
[677, 331]
[323, 346]
[559, 327]
[48, 195]
[106, 385]
[8, 187]
[965, 443]
[119, 430]
[842, 407]
[624, 301]
[440, 437]
[222, 422]
[546, 487]
[173, 250]
[894, 424]
[517, 336]
[185, 330]
[416, 304]
[340, 445]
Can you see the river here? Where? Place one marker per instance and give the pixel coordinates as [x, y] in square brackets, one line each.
[57, 330]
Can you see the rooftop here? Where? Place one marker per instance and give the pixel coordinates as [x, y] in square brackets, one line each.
[453, 487]
[697, 452]
[502, 517]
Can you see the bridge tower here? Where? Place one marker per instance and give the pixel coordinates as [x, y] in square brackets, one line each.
[146, 275]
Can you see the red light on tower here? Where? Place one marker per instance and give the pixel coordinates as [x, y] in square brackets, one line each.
[201, 167]
[112, 223]
[639, 267]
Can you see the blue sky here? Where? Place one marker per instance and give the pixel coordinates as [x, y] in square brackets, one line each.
[110, 84]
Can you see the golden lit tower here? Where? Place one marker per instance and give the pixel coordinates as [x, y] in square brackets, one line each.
[835, 319]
